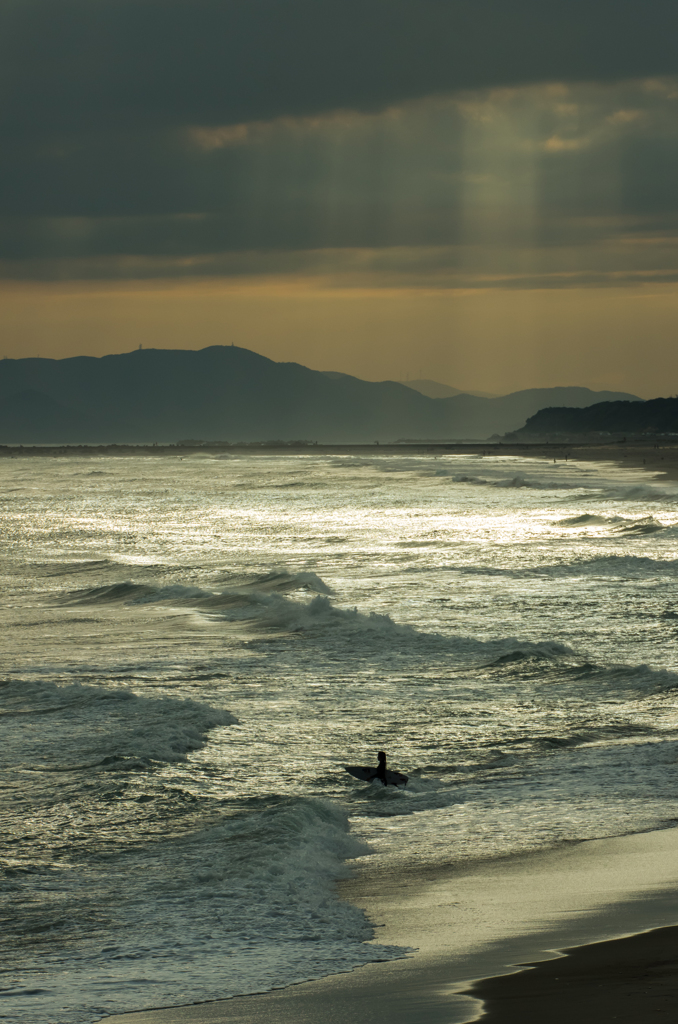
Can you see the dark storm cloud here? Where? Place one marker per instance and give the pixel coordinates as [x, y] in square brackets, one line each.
[562, 165]
[85, 64]
[142, 134]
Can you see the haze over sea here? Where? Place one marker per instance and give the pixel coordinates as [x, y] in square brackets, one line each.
[194, 648]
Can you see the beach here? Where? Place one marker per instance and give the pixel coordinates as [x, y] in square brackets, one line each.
[627, 980]
[657, 457]
[485, 923]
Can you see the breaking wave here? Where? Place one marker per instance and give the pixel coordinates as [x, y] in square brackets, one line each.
[640, 526]
[516, 651]
[240, 590]
[505, 482]
[92, 726]
[251, 899]
[568, 674]
[258, 607]
[587, 519]
[262, 610]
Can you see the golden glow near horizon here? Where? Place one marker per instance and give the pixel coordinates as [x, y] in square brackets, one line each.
[446, 334]
[505, 245]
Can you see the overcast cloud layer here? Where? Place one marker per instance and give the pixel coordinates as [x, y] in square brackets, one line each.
[77, 64]
[92, 64]
[145, 138]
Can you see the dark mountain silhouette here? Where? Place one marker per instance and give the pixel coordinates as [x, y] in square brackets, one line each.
[658, 416]
[231, 394]
[30, 414]
[485, 417]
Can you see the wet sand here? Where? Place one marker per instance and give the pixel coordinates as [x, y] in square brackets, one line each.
[482, 921]
[658, 458]
[630, 980]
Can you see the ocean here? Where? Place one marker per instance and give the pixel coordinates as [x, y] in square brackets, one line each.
[193, 648]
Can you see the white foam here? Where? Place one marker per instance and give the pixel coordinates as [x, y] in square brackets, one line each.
[242, 907]
[487, 646]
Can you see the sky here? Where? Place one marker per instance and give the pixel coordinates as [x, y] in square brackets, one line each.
[480, 192]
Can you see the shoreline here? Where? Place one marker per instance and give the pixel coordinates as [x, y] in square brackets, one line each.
[654, 456]
[657, 457]
[597, 919]
[485, 921]
[627, 980]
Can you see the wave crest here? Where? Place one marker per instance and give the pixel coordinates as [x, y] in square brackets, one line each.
[241, 588]
[640, 526]
[92, 726]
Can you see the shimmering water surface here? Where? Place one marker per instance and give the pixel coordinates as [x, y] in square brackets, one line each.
[192, 649]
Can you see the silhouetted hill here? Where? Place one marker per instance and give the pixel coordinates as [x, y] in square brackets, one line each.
[484, 417]
[218, 393]
[658, 416]
[231, 394]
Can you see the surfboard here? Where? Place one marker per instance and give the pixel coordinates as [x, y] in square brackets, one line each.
[368, 774]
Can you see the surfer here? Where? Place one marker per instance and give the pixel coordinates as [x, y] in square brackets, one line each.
[369, 774]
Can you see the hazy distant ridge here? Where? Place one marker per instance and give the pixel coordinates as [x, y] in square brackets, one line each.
[483, 417]
[657, 416]
[226, 393]
[434, 389]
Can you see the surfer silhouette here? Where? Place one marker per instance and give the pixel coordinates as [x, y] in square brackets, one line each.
[369, 774]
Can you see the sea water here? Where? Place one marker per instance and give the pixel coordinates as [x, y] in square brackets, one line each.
[194, 647]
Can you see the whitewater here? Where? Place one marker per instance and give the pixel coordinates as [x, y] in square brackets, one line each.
[194, 647]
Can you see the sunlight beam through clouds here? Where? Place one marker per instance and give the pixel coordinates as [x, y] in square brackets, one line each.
[510, 181]
[327, 219]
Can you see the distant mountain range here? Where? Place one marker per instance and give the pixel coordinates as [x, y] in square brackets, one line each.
[658, 416]
[434, 389]
[231, 394]
[430, 388]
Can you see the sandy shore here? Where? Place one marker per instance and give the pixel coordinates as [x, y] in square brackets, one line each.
[629, 980]
[481, 921]
[660, 459]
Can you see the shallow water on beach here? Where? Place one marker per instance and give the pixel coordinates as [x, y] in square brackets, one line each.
[193, 648]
